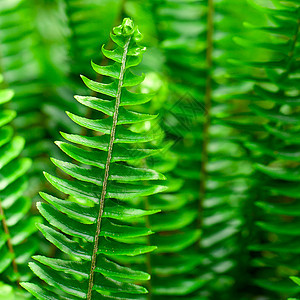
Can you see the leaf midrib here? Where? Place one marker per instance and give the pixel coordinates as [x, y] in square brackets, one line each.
[106, 172]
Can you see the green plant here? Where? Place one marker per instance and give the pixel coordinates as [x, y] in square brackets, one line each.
[17, 226]
[273, 143]
[15, 17]
[202, 245]
[95, 214]
[227, 95]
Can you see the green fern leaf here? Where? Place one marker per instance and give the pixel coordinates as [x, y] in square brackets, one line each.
[16, 227]
[91, 226]
[274, 148]
[198, 229]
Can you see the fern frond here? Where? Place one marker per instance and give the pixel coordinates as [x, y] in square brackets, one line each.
[274, 102]
[21, 72]
[174, 261]
[191, 33]
[16, 227]
[91, 226]
[38, 102]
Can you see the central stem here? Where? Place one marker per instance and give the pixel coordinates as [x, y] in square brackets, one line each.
[106, 172]
[207, 103]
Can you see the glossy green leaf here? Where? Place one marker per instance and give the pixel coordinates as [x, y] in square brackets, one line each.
[91, 222]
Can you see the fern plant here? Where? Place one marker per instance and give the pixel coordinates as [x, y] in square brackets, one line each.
[202, 262]
[17, 227]
[22, 73]
[175, 260]
[274, 147]
[229, 220]
[94, 218]
[21, 61]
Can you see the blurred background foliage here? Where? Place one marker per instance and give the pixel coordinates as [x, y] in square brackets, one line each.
[46, 44]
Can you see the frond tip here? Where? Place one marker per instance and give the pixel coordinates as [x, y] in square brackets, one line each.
[92, 224]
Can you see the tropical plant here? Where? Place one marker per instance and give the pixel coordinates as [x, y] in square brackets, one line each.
[273, 144]
[222, 222]
[95, 212]
[17, 226]
[15, 17]
[202, 245]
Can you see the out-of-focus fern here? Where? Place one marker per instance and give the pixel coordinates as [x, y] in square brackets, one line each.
[200, 265]
[275, 149]
[172, 263]
[16, 227]
[94, 219]
[169, 265]
[20, 68]
[89, 23]
[10, 292]
[51, 34]
[36, 77]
